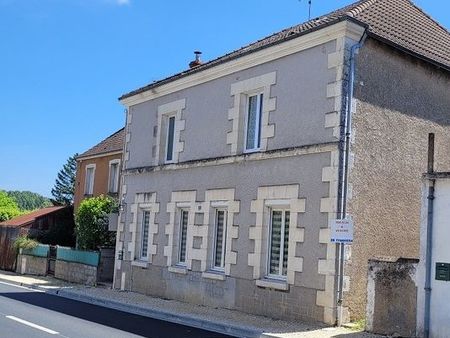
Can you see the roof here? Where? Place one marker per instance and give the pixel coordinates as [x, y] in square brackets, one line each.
[399, 23]
[112, 143]
[23, 220]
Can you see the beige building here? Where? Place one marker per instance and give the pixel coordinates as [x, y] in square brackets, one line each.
[98, 169]
[234, 168]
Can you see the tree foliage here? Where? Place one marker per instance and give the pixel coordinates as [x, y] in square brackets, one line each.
[91, 223]
[65, 182]
[8, 207]
[27, 200]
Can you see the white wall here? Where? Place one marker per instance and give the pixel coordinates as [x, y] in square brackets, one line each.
[440, 290]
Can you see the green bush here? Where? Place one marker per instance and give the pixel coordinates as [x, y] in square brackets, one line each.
[25, 243]
[91, 223]
[8, 207]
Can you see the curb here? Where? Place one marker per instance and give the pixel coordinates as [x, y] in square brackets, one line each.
[191, 321]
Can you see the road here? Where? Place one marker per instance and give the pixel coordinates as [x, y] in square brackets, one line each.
[29, 313]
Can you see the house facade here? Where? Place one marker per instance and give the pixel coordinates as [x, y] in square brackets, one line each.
[234, 169]
[98, 169]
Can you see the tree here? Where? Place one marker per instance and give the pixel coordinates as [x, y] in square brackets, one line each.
[8, 207]
[91, 223]
[65, 182]
[27, 200]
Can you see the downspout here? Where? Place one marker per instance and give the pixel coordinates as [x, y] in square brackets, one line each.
[429, 241]
[343, 179]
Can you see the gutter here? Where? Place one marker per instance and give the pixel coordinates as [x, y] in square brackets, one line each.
[429, 240]
[343, 174]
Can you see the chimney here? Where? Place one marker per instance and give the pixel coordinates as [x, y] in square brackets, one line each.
[197, 62]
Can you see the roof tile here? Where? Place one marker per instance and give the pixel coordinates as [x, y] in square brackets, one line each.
[110, 144]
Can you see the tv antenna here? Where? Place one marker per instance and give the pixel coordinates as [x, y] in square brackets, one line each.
[309, 9]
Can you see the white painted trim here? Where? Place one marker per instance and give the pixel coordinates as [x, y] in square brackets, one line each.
[89, 190]
[140, 263]
[341, 29]
[178, 269]
[273, 284]
[115, 161]
[81, 159]
[214, 275]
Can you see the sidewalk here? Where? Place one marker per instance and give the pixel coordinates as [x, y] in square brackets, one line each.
[219, 320]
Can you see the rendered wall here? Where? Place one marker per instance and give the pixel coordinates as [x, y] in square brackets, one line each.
[399, 100]
[101, 178]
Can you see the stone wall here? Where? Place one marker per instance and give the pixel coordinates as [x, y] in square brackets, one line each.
[31, 265]
[76, 272]
[391, 297]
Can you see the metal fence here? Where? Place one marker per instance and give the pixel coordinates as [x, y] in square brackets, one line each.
[40, 251]
[78, 256]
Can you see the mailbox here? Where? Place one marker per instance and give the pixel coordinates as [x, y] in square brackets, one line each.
[443, 271]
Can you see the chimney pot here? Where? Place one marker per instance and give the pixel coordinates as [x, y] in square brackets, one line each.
[197, 62]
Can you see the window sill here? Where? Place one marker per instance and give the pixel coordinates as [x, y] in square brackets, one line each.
[214, 275]
[273, 284]
[141, 264]
[178, 269]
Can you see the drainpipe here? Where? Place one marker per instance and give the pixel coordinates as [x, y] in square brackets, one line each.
[429, 241]
[343, 179]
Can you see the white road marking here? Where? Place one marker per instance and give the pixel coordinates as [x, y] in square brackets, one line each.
[32, 325]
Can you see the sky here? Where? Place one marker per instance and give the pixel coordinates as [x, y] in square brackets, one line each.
[64, 63]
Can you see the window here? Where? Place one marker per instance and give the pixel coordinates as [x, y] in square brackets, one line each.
[113, 184]
[144, 234]
[170, 138]
[253, 123]
[220, 237]
[183, 236]
[89, 180]
[278, 243]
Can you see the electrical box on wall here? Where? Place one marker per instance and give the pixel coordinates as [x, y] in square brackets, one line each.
[443, 271]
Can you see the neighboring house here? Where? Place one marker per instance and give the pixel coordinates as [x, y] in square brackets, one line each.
[98, 169]
[41, 220]
[234, 168]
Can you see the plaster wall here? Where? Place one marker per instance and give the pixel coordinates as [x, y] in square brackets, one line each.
[439, 306]
[101, 176]
[399, 100]
[299, 116]
[238, 290]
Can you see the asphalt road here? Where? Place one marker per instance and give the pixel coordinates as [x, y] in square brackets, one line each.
[30, 313]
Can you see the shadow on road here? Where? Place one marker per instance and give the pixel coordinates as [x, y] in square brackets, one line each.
[136, 324]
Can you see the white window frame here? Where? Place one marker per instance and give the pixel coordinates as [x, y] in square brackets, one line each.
[279, 276]
[259, 107]
[141, 248]
[180, 238]
[166, 152]
[89, 190]
[116, 179]
[220, 268]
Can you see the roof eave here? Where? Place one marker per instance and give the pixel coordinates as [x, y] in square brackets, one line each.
[217, 61]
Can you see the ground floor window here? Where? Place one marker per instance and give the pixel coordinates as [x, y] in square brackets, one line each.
[184, 215]
[220, 237]
[144, 234]
[278, 243]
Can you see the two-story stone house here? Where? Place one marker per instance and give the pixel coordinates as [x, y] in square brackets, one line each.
[234, 168]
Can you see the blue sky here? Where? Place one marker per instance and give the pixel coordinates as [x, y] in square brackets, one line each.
[64, 63]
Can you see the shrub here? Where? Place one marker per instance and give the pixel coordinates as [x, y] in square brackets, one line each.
[91, 223]
[25, 243]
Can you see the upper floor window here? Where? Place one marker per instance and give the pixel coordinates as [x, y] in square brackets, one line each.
[168, 143]
[113, 183]
[89, 180]
[253, 123]
[170, 138]
[278, 243]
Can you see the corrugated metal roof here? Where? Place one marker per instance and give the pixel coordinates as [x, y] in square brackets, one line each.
[23, 220]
